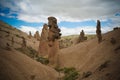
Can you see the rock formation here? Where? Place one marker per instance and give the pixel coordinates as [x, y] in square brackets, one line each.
[12, 41]
[113, 41]
[98, 31]
[43, 46]
[53, 38]
[23, 43]
[30, 35]
[8, 46]
[82, 37]
[37, 36]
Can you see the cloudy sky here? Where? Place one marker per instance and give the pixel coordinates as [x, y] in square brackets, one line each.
[72, 15]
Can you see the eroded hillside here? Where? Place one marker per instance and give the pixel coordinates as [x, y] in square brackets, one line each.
[96, 60]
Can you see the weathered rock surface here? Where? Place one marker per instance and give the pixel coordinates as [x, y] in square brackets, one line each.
[37, 36]
[98, 31]
[53, 38]
[24, 43]
[82, 37]
[43, 46]
[30, 35]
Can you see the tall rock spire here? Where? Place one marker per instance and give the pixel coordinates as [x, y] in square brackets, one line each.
[43, 46]
[98, 31]
[53, 38]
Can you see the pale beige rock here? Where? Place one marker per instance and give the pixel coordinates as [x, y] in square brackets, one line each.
[30, 35]
[23, 43]
[43, 45]
[53, 37]
[98, 31]
[37, 36]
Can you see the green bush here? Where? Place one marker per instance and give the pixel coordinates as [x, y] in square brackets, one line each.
[18, 36]
[29, 51]
[42, 60]
[70, 73]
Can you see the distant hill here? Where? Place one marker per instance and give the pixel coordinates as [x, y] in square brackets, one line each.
[67, 41]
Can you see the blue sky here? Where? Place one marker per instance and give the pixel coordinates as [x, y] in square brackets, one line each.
[72, 15]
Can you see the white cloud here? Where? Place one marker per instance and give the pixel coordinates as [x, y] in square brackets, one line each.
[29, 28]
[64, 10]
[2, 14]
[67, 31]
[87, 29]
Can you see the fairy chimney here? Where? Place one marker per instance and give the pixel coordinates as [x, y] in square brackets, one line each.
[53, 38]
[37, 36]
[81, 37]
[23, 43]
[12, 41]
[98, 31]
[43, 45]
[30, 35]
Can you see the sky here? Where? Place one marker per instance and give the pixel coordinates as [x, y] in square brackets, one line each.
[72, 15]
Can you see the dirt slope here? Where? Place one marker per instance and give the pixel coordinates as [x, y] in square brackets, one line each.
[7, 32]
[17, 66]
[93, 57]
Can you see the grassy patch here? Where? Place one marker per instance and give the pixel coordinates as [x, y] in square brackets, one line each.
[42, 60]
[29, 51]
[18, 36]
[69, 73]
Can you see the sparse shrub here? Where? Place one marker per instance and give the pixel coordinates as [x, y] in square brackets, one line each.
[70, 73]
[113, 41]
[18, 36]
[43, 60]
[29, 51]
[32, 51]
[104, 65]
[86, 74]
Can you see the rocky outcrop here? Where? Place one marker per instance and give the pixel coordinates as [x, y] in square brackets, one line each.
[81, 37]
[12, 41]
[49, 41]
[53, 38]
[30, 35]
[43, 46]
[37, 36]
[98, 31]
[24, 45]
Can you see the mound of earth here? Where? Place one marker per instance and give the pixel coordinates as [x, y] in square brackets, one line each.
[100, 60]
